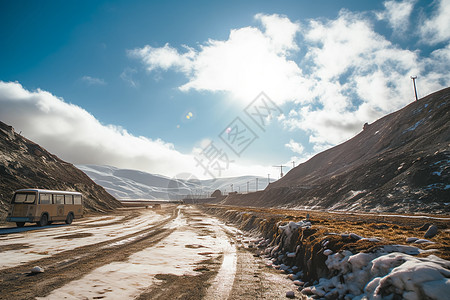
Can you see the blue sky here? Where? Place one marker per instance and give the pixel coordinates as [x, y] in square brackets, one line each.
[158, 85]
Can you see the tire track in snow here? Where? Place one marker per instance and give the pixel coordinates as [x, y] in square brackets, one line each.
[16, 282]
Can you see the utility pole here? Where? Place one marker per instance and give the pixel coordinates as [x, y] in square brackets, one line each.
[414, 83]
[293, 164]
[247, 187]
[281, 169]
[256, 183]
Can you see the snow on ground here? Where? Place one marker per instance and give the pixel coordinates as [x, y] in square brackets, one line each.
[47, 242]
[177, 254]
[386, 274]
[223, 282]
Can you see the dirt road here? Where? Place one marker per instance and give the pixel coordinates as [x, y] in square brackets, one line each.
[174, 253]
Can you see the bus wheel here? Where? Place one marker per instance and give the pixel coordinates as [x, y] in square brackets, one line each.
[43, 221]
[69, 218]
[20, 224]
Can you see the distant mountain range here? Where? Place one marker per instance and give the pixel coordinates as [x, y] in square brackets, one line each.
[133, 184]
[400, 163]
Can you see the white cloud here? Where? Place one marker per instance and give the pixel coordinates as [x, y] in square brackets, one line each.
[93, 81]
[251, 60]
[347, 73]
[78, 137]
[360, 76]
[281, 31]
[165, 58]
[397, 13]
[437, 28]
[127, 76]
[295, 147]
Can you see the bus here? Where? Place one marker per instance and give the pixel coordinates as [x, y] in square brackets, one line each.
[44, 207]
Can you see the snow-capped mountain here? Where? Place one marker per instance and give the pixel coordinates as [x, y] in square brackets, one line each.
[133, 184]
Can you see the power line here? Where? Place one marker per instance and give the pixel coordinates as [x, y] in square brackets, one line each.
[281, 169]
[414, 83]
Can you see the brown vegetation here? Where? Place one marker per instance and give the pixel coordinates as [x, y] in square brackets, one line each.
[388, 229]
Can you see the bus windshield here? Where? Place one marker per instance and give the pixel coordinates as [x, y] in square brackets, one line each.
[28, 198]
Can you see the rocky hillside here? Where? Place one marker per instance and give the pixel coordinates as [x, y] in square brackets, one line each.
[24, 164]
[399, 163]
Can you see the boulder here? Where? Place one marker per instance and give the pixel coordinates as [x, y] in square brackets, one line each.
[431, 232]
[36, 270]
[290, 294]
[411, 239]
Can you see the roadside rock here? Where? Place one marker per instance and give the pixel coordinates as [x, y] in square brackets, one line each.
[411, 239]
[37, 270]
[425, 226]
[423, 241]
[290, 294]
[327, 252]
[431, 232]
[298, 283]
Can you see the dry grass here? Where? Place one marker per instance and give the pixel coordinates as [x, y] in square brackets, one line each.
[390, 229]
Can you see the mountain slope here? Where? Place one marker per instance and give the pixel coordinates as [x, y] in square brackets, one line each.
[133, 184]
[399, 163]
[24, 164]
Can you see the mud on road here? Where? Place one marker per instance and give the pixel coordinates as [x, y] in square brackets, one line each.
[177, 252]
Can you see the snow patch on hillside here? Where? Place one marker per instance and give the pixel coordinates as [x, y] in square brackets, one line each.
[133, 184]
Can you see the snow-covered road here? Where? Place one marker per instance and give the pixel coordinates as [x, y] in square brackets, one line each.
[191, 242]
[27, 246]
[143, 245]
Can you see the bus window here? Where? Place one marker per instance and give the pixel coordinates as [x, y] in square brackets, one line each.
[45, 199]
[77, 199]
[68, 199]
[58, 199]
[25, 198]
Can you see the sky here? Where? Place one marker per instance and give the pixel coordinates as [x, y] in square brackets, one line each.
[209, 88]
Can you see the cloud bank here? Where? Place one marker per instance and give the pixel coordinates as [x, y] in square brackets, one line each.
[332, 75]
[336, 74]
[79, 138]
[251, 60]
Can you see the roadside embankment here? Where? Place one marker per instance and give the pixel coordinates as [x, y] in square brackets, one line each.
[336, 255]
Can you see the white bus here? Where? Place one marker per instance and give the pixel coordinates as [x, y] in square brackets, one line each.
[44, 207]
